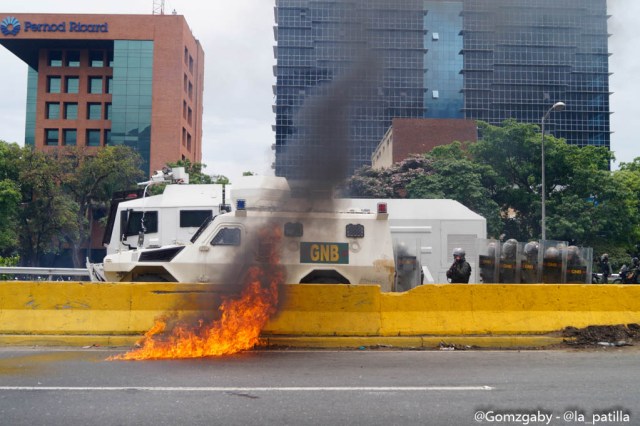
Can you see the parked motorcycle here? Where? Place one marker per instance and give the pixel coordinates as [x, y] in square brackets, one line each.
[629, 275]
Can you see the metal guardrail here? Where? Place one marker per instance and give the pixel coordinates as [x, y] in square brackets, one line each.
[49, 273]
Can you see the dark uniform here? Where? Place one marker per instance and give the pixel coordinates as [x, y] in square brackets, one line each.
[460, 270]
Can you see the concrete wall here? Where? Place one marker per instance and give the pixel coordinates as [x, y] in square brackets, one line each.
[104, 312]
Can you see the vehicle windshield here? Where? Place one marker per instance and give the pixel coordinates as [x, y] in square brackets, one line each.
[206, 223]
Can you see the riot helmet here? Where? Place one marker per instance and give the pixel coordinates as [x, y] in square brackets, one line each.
[509, 248]
[531, 249]
[552, 253]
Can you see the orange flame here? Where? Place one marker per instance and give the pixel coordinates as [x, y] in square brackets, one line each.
[239, 325]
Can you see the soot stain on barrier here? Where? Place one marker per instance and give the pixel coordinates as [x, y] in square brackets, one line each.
[73, 305]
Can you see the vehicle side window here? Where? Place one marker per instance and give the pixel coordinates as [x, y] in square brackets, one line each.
[227, 237]
[194, 218]
[133, 226]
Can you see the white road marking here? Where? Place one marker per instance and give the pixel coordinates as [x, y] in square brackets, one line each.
[249, 389]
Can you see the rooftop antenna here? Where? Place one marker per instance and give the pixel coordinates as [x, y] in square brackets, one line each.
[158, 7]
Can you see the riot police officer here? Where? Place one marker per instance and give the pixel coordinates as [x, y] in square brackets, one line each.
[460, 270]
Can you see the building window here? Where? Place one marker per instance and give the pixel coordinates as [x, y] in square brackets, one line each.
[184, 137]
[70, 137]
[109, 85]
[107, 137]
[110, 58]
[93, 137]
[185, 81]
[95, 85]
[190, 117]
[73, 59]
[52, 111]
[186, 55]
[94, 111]
[190, 91]
[96, 59]
[51, 136]
[55, 58]
[53, 84]
[184, 109]
[72, 84]
[189, 142]
[190, 64]
[70, 111]
[107, 111]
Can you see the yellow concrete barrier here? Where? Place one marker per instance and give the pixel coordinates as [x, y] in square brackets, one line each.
[463, 309]
[39, 307]
[117, 310]
[453, 309]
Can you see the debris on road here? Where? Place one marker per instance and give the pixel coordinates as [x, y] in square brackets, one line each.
[602, 335]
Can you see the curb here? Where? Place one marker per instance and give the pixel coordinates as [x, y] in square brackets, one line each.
[414, 342]
[312, 342]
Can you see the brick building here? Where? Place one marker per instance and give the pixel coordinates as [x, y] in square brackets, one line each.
[96, 80]
[408, 136]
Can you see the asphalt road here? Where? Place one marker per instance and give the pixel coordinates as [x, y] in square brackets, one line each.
[371, 387]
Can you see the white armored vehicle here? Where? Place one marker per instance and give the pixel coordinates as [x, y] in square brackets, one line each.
[324, 240]
[319, 244]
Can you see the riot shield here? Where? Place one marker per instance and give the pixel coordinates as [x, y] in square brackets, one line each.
[579, 260]
[509, 268]
[554, 261]
[530, 265]
[489, 255]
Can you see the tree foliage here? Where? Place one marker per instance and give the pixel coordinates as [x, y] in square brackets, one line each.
[10, 197]
[47, 214]
[499, 177]
[90, 179]
[48, 200]
[195, 170]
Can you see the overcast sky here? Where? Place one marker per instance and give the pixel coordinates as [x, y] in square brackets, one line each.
[237, 38]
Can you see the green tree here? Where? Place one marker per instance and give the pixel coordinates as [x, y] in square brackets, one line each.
[455, 176]
[47, 215]
[195, 170]
[10, 197]
[583, 202]
[221, 180]
[90, 180]
[591, 205]
[628, 176]
[499, 177]
[388, 182]
[512, 151]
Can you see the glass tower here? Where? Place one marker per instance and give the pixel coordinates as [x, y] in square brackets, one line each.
[522, 56]
[346, 68]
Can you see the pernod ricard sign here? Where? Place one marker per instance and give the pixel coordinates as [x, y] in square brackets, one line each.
[10, 26]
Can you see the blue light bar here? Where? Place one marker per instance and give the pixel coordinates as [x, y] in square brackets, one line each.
[240, 204]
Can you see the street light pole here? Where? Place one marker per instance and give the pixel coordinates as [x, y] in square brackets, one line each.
[558, 106]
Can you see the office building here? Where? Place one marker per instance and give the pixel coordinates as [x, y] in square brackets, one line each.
[487, 60]
[97, 80]
[409, 136]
